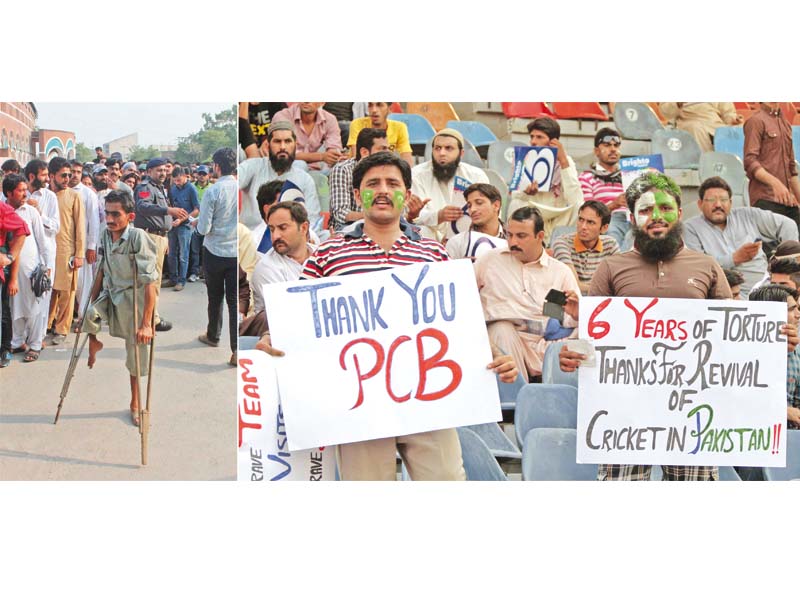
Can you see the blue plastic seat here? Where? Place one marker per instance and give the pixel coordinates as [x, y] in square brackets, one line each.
[549, 455]
[474, 132]
[323, 189]
[496, 440]
[500, 158]
[730, 140]
[419, 129]
[636, 120]
[471, 156]
[545, 405]
[678, 148]
[728, 474]
[792, 469]
[497, 181]
[551, 371]
[561, 230]
[729, 167]
[508, 392]
[479, 463]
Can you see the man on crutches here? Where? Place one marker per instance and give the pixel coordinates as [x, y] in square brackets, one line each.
[124, 295]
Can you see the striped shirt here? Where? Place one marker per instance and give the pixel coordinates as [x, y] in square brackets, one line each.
[357, 253]
[595, 188]
[570, 250]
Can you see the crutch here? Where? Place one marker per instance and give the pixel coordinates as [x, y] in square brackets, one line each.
[142, 413]
[77, 348]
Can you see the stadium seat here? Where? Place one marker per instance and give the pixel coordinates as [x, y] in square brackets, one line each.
[478, 134]
[551, 371]
[545, 405]
[549, 455]
[479, 463]
[728, 474]
[561, 230]
[729, 167]
[508, 392]
[419, 129]
[636, 120]
[437, 113]
[579, 110]
[395, 108]
[678, 148]
[792, 469]
[796, 142]
[730, 140]
[323, 189]
[500, 158]
[496, 440]
[526, 110]
[471, 156]
[497, 181]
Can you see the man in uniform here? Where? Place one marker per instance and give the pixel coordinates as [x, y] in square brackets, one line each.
[70, 248]
[112, 294]
[155, 216]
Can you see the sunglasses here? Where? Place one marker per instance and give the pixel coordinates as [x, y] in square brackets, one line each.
[609, 139]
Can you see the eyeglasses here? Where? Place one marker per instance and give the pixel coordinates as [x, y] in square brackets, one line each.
[609, 139]
[713, 200]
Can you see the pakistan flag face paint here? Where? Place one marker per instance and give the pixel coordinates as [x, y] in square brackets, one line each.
[657, 206]
[367, 198]
[398, 199]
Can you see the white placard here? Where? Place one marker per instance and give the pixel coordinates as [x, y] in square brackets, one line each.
[263, 450]
[480, 243]
[383, 354]
[683, 382]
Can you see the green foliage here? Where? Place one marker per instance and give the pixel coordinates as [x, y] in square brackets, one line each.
[140, 153]
[83, 153]
[218, 131]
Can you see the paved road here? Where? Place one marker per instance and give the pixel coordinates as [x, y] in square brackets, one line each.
[193, 422]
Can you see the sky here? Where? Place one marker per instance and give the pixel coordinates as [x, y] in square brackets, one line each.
[97, 123]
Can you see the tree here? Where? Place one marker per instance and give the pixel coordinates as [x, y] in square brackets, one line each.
[218, 131]
[140, 153]
[83, 153]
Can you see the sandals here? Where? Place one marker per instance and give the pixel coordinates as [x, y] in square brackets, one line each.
[31, 356]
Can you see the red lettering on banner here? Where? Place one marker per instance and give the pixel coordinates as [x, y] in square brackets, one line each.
[426, 364]
[599, 329]
[652, 328]
[402, 339]
[244, 363]
[374, 371]
[245, 425]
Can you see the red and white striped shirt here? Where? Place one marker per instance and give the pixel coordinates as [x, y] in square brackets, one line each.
[353, 255]
[595, 188]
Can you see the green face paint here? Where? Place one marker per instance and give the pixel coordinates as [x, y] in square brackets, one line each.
[665, 207]
[398, 199]
[367, 198]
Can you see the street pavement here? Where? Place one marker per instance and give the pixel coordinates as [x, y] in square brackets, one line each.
[193, 407]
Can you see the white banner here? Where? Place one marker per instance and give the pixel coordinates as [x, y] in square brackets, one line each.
[263, 451]
[382, 354]
[683, 382]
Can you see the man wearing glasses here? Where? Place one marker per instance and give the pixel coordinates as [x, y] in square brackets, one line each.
[734, 236]
[70, 248]
[603, 182]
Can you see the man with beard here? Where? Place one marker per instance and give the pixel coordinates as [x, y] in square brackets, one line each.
[441, 181]
[319, 141]
[559, 206]
[90, 209]
[70, 248]
[483, 208]
[255, 172]
[734, 236]
[659, 265]
[155, 217]
[603, 182]
[288, 226]
[378, 118]
[45, 201]
[8, 167]
[114, 165]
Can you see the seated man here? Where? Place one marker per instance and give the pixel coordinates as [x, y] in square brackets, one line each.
[559, 206]
[318, 138]
[378, 118]
[583, 250]
[267, 195]
[255, 172]
[701, 119]
[483, 207]
[440, 183]
[733, 236]
[343, 207]
[603, 182]
[513, 283]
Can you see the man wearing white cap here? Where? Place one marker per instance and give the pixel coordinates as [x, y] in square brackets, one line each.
[440, 183]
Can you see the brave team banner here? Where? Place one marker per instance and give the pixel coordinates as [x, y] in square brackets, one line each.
[683, 382]
[263, 449]
[383, 354]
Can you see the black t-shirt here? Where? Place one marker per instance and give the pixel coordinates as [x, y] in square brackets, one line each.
[260, 116]
[343, 111]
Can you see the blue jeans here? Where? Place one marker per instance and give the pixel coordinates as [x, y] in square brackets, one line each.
[195, 252]
[178, 257]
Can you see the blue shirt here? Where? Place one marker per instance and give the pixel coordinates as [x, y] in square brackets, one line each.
[217, 219]
[186, 198]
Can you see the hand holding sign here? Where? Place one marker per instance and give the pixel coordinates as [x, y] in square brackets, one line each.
[534, 165]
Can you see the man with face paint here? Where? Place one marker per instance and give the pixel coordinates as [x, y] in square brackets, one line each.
[281, 143]
[658, 266]
[441, 182]
[381, 184]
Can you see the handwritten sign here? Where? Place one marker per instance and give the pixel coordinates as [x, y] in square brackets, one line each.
[533, 163]
[263, 452]
[683, 382]
[480, 243]
[383, 354]
[634, 166]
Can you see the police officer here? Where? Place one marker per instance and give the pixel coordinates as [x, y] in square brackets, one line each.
[154, 215]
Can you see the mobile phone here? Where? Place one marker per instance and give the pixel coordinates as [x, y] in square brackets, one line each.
[556, 311]
[556, 297]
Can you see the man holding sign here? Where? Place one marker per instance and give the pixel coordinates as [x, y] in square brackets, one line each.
[486, 232]
[381, 184]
